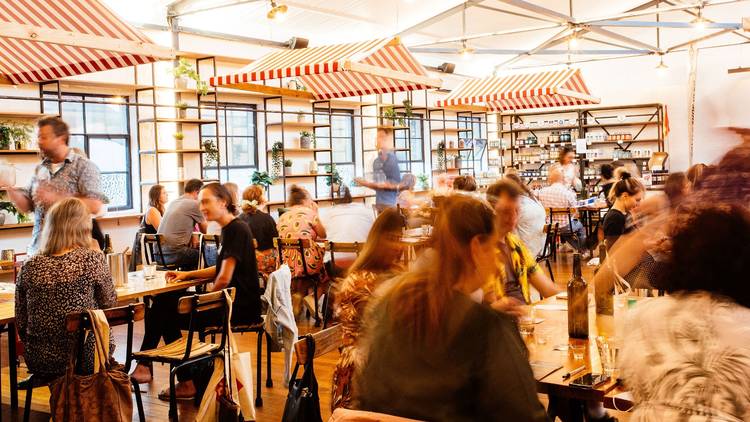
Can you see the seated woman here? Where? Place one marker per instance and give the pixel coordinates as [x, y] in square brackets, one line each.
[378, 261]
[157, 199]
[686, 355]
[406, 198]
[263, 228]
[465, 183]
[625, 196]
[431, 353]
[235, 267]
[65, 276]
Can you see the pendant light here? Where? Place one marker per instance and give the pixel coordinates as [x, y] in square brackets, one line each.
[277, 12]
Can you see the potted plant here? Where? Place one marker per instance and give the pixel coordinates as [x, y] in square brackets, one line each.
[457, 161]
[4, 136]
[11, 209]
[334, 180]
[300, 117]
[211, 151]
[261, 178]
[389, 115]
[178, 136]
[287, 167]
[424, 181]
[295, 85]
[306, 140]
[408, 111]
[182, 110]
[277, 159]
[184, 71]
[21, 135]
[441, 155]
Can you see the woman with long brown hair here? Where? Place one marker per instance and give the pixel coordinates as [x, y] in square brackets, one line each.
[157, 198]
[379, 259]
[430, 352]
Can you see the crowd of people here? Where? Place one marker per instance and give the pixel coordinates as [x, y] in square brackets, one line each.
[436, 339]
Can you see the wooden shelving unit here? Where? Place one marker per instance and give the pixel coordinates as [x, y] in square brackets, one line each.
[454, 139]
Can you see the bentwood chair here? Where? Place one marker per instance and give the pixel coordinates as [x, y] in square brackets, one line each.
[186, 351]
[334, 248]
[299, 245]
[79, 322]
[548, 251]
[555, 215]
[206, 240]
[151, 245]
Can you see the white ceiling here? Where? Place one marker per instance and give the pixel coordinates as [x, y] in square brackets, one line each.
[337, 21]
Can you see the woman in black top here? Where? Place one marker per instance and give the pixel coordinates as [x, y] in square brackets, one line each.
[625, 195]
[157, 198]
[263, 227]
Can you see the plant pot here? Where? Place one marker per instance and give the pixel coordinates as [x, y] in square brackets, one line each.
[181, 82]
[312, 167]
[304, 142]
[182, 113]
[336, 188]
[287, 170]
[457, 162]
[300, 117]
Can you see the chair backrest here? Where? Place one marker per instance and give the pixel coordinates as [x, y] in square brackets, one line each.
[152, 248]
[295, 244]
[282, 210]
[124, 315]
[325, 341]
[343, 247]
[562, 212]
[550, 231]
[199, 303]
[206, 239]
[18, 261]
[350, 415]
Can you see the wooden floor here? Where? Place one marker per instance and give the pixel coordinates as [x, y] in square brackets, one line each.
[273, 398]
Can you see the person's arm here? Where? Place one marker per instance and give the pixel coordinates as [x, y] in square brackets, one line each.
[175, 276]
[318, 227]
[198, 218]
[153, 217]
[225, 275]
[543, 284]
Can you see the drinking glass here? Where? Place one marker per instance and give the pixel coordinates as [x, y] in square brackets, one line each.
[526, 322]
[579, 350]
[149, 271]
[607, 354]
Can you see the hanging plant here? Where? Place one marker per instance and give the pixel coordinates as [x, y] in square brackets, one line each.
[211, 151]
[441, 158]
[408, 108]
[185, 70]
[276, 158]
[4, 136]
[389, 114]
[261, 178]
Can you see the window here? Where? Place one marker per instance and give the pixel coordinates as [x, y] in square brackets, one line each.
[341, 134]
[99, 126]
[237, 142]
[412, 160]
[474, 138]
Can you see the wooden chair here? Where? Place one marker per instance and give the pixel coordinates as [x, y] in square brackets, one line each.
[564, 233]
[300, 245]
[334, 248]
[326, 341]
[548, 251]
[153, 252]
[205, 240]
[79, 322]
[18, 261]
[185, 351]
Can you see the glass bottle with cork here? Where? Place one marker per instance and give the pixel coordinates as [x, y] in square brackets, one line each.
[578, 302]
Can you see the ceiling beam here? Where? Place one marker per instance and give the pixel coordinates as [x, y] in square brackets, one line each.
[437, 18]
[554, 40]
[508, 12]
[651, 24]
[660, 10]
[77, 39]
[522, 4]
[691, 13]
[622, 38]
[486, 35]
[699, 39]
[520, 51]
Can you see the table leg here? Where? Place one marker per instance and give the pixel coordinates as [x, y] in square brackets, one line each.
[12, 368]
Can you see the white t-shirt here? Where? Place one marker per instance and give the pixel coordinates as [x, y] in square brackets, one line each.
[347, 223]
[531, 221]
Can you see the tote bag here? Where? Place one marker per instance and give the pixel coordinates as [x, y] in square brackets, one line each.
[303, 402]
[102, 396]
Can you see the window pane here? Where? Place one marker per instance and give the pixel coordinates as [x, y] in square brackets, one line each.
[77, 141]
[109, 154]
[73, 116]
[106, 119]
[239, 123]
[240, 152]
[115, 187]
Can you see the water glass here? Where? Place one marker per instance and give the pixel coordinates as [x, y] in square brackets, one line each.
[579, 350]
[607, 354]
[149, 271]
[526, 322]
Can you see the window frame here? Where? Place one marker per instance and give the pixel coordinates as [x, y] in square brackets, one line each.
[419, 118]
[223, 107]
[338, 112]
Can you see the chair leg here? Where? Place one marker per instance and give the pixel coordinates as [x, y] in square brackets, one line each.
[315, 297]
[549, 268]
[172, 397]
[258, 369]
[139, 402]
[269, 381]
[27, 407]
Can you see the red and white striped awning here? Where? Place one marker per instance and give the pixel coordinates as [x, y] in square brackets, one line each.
[43, 40]
[338, 71]
[523, 91]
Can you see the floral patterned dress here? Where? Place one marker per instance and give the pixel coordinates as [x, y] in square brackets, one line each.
[299, 223]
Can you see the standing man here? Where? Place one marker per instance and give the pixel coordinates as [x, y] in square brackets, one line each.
[177, 226]
[385, 171]
[61, 174]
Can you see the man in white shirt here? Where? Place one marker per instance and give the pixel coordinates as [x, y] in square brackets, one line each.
[557, 195]
[347, 222]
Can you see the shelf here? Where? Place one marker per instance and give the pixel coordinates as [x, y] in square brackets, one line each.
[451, 169]
[173, 151]
[24, 115]
[304, 150]
[16, 226]
[297, 125]
[620, 124]
[454, 149]
[154, 182]
[613, 159]
[387, 127]
[538, 129]
[174, 120]
[320, 199]
[19, 151]
[450, 130]
[621, 142]
[289, 176]
[392, 149]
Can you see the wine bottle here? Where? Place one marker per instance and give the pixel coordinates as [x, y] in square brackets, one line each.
[578, 302]
[604, 298]
[108, 245]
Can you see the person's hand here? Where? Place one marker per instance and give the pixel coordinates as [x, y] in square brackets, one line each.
[46, 195]
[175, 276]
[359, 181]
[510, 306]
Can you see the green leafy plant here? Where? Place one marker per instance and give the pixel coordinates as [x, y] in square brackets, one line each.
[408, 108]
[310, 136]
[184, 68]
[424, 181]
[390, 114]
[441, 158]
[276, 158]
[211, 151]
[4, 136]
[181, 105]
[20, 133]
[335, 177]
[261, 178]
[287, 163]
[179, 136]
[11, 209]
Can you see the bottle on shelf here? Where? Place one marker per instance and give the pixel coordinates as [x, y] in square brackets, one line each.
[578, 302]
[108, 245]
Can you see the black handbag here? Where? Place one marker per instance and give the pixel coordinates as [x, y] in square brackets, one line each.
[303, 403]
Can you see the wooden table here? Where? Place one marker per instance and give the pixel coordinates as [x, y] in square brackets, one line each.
[552, 334]
[136, 288]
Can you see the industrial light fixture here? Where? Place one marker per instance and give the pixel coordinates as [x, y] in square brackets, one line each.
[700, 22]
[447, 67]
[466, 52]
[573, 40]
[296, 43]
[661, 68]
[277, 12]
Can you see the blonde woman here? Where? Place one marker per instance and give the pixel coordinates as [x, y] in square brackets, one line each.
[263, 227]
[66, 276]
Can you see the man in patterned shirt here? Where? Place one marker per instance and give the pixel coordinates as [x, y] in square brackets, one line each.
[61, 174]
[557, 195]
